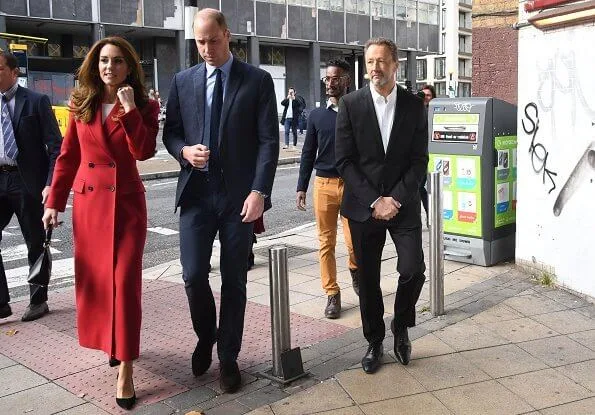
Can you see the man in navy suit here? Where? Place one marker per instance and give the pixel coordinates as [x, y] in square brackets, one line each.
[221, 126]
[29, 145]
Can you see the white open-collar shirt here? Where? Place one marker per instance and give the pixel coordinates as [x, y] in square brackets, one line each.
[385, 112]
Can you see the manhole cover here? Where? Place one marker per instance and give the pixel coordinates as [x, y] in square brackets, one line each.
[292, 250]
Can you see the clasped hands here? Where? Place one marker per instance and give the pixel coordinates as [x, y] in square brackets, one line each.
[385, 208]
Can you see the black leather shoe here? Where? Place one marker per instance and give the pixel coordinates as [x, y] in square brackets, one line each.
[5, 311]
[113, 362]
[333, 306]
[230, 378]
[354, 280]
[35, 311]
[402, 344]
[201, 358]
[371, 361]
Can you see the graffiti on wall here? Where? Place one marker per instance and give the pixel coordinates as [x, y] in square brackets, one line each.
[560, 93]
[538, 152]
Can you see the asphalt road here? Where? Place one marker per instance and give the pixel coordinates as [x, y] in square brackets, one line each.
[162, 238]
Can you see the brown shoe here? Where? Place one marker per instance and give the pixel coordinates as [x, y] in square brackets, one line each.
[333, 306]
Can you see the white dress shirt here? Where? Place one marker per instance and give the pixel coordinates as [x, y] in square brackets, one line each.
[329, 104]
[385, 112]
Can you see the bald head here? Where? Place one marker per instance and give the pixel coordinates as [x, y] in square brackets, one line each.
[210, 15]
[212, 36]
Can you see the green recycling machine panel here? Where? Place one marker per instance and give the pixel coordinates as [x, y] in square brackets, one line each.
[473, 143]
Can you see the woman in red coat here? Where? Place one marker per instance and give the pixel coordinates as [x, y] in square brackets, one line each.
[112, 125]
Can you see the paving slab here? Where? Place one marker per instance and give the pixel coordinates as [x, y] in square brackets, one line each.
[390, 381]
[521, 330]
[26, 379]
[326, 396]
[423, 403]
[557, 351]
[585, 406]
[545, 388]
[582, 373]
[55, 399]
[484, 398]
[505, 360]
[566, 322]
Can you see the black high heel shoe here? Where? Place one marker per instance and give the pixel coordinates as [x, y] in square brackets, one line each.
[113, 362]
[127, 403]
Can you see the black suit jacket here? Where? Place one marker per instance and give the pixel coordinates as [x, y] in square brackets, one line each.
[367, 170]
[248, 135]
[38, 139]
[297, 106]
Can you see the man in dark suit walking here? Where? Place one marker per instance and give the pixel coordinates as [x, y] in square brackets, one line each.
[29, 144]
[382, 155]
[221, 126]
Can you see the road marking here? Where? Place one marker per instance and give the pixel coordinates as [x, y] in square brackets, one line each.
[288, 168]
[164, 183]
[4, 233]
[17, 252]
[68, 206]
[61, 268]
[163, 231]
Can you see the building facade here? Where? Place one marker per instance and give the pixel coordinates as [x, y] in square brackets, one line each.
[290, 38]
[450, 71]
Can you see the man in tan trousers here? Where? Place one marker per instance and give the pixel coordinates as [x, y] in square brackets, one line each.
[319, 153]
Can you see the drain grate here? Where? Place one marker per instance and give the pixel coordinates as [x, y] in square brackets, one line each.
[292, 250]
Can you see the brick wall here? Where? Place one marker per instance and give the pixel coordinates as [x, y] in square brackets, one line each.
[495, 49]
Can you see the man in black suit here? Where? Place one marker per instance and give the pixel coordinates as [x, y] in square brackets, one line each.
[382, 155]
[29, 145]
[221, 126]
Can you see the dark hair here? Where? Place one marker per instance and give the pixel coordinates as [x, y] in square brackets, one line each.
[431, 89]
[11, 60]
[381, 41]
[86, 98]
[214, 14]
[291, 88]
[339, 63]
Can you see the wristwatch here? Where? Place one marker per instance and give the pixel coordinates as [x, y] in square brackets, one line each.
[260, 194]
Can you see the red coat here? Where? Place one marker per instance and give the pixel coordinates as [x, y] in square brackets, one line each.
[98, 161]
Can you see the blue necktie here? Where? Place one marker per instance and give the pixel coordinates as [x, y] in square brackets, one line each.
[10, 145]
[216, 106]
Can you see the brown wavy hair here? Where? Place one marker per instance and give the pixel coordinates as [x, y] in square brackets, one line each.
[85, 98]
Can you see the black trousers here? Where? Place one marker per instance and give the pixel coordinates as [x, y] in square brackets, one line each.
[16, 200]
[205, 209]
[368, 241]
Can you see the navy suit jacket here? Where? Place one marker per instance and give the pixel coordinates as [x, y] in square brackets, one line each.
[248, 132]
[38, 139]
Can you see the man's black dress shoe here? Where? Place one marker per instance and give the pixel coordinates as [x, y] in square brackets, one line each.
[230, 378]
[201, 358]
[371, 361]
[35, 311]
[402, 343]
[355, 280]
[5, 311]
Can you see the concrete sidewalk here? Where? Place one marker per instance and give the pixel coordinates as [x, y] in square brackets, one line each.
[506, 345]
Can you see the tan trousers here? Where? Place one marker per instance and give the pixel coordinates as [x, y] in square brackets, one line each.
[328, 193]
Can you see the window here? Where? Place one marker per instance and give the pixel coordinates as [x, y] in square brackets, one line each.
[464, 89]
[464, 22]
[351, 6]
[336, 5]
[363, 7]
[401, 9]
[411, 11]
[432, 14]
[271, 55]
[440, 68]
[465, 67]
[422, 72]
[402, 71]
[440, 88]
[423, 13]
[443, 45]
[464, 44]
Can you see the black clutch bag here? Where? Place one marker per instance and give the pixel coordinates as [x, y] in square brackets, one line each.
[42, 269]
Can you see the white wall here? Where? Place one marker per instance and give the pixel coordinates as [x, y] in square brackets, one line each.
[556, 227]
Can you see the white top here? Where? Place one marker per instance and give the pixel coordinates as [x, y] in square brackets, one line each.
[289, 113]
[329, 104]
[385, 112]
[105, 111]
